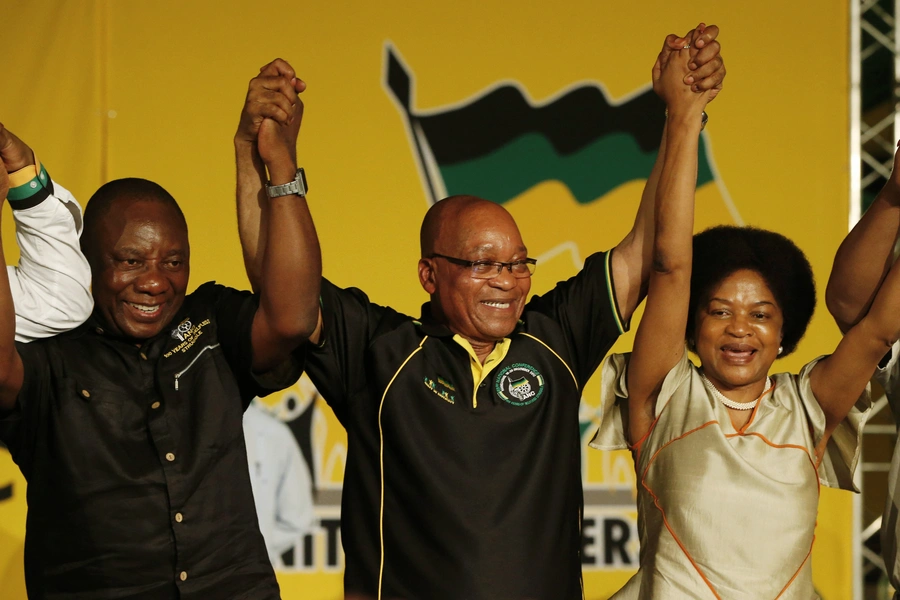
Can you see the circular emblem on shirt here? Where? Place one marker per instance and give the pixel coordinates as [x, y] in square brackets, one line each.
[519, 384]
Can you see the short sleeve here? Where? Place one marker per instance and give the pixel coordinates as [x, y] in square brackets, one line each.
[586, 308]
[889, 378]
[842, 451]
[234, 312]
[337, 365]
[612, 434]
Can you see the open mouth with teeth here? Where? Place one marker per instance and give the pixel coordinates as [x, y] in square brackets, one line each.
[145, 310]
[495, 304]
[738, 353]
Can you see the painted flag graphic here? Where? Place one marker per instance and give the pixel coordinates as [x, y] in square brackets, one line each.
[499, 145]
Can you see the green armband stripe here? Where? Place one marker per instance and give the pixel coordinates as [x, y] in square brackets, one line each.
[32, 192]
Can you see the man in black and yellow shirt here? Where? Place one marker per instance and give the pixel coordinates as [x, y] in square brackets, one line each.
[463, 477]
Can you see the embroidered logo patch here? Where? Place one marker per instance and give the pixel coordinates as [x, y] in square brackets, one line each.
[182, 330]
[519, 384]
[187, 335]
[442, 388]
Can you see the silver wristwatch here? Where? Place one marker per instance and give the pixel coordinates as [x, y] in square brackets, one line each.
[297, 186]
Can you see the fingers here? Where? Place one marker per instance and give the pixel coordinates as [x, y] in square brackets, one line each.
[673, 42]
[278, 67]
[708, 34]
[707, 76]
[273, 92]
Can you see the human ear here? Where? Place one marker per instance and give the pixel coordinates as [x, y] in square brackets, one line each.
[426, 275]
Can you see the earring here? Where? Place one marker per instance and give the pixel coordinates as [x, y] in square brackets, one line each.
[780, 350]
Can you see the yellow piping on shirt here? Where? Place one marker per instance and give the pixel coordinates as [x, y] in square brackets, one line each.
[381, 463]
[554, 354]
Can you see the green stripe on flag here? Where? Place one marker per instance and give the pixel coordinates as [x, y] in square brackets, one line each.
[589, 174]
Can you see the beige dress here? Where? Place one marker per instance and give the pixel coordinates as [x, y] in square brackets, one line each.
[724, 512]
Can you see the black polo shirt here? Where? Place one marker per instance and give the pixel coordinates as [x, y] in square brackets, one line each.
[452, 492]
[138, 485]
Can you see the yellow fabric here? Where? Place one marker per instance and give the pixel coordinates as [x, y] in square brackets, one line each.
[481, 371]
[25, 174]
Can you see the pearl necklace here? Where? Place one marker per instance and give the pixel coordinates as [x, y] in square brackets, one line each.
[731, 403]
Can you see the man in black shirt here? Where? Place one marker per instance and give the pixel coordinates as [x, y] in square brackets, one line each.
[128, 429]
[463, 477]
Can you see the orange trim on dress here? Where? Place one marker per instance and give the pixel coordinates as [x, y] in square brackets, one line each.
[730, 435]
[808, 554]
[663, 512]
[753, 414]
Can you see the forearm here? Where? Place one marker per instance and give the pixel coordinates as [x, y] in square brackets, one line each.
[252, 209]
[674, 213]
[659, 342]
[863, 259]
[291, 265]
[633, 256]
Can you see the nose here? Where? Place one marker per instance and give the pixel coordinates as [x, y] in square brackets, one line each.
[738, 326]
[504, 280]
[152, 281]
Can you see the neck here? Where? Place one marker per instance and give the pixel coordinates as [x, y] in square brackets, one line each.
[482, 349]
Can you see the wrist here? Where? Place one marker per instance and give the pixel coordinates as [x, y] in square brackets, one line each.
[686, 116]
[282, 167]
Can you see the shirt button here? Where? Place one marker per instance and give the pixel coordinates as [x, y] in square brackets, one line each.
[155, 405]
[85, 393]
[183, 576]
[99, 330]
[144, 356]
[170, 457]
[179, 517]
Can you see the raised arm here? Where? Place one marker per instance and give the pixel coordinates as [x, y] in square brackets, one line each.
[865, 256]
[659, 342]
[290, 268]
[271, 95]
[838, 380]
[631, 261]
[51, 284]
[863, 296]
[11, 370]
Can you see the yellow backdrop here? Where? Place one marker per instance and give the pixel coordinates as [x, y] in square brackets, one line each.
[108, 89]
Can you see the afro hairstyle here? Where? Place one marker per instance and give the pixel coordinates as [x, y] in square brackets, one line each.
[720, 251]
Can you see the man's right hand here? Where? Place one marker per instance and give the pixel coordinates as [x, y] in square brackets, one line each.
[271, 95]
[14, 153]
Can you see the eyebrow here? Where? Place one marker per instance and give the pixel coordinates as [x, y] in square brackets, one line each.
[760, 303]
[491, 247]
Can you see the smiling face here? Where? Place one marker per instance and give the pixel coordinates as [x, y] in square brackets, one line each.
[140, 266]
[480, 310]
[738, 332]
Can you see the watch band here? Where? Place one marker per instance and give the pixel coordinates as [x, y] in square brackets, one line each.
[297, 186]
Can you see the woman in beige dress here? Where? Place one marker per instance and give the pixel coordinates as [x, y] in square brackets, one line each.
[728, 459]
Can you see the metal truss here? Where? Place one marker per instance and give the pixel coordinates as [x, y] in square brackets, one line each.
[874, 129]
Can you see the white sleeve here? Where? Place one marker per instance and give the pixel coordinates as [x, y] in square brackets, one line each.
[51, 284]
[294, 514]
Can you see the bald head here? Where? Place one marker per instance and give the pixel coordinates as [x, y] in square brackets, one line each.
[449, 222]
[464, 229]
[120, 194]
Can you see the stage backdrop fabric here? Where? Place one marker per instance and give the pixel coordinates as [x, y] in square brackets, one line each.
[546, 110]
